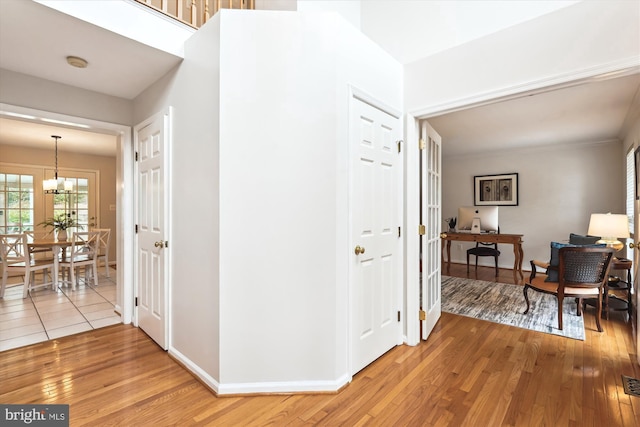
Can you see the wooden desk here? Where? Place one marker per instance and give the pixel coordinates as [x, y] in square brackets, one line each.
[512, 239]
[56, 247]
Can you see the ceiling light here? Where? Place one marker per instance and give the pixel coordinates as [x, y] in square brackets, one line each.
[74, 61]
[50, 186]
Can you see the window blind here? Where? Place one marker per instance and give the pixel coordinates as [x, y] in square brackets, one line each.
[631, 189]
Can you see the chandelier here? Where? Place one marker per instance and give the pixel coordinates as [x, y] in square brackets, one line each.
[50, 186]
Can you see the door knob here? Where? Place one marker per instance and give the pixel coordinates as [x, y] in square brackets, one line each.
[634, 246]
[159, 244]
[359, 250]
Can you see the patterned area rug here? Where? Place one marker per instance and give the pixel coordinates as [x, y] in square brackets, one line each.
[502, 303]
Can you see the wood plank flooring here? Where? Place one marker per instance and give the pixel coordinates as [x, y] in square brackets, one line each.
[469, 373]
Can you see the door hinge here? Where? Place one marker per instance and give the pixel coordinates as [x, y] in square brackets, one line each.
[422, 145]
[399, 232]
[136, 301]
[136, 156]
[136, 228]
[399, 146]
[422, 315]
[422, 230]
[398, 315]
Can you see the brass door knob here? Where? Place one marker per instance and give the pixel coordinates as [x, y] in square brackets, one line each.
[359, 250]
[634, 246]
[159, 244]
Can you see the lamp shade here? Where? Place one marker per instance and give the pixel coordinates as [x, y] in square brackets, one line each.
[609, 225]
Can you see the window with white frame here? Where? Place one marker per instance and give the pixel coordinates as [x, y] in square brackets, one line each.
[17, 203]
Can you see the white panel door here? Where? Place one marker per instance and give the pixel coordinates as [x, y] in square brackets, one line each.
[376, 250]
[151, 140]
[430, 217]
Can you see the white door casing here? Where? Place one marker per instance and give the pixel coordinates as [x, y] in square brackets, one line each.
[152, 139]
[430, 217]
[376, 213]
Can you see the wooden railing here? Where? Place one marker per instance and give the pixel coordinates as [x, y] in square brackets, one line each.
[195, 12]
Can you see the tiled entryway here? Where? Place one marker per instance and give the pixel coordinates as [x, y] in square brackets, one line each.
[47, 314]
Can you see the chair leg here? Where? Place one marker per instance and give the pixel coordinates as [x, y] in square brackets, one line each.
[72, 273]
[599, 313]
[467, 262]
[27, 281]
[560, 301]
[5, 275]
[496, 259]
[526, 298]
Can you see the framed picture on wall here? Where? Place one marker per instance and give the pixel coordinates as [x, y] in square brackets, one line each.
[637, 169]
[496, 190]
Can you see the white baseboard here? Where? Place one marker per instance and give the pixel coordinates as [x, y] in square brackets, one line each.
[259, 387]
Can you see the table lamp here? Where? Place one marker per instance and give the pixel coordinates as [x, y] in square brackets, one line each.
[610, 227]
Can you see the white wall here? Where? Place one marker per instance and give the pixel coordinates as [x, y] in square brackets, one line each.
[193, 91]
[411, 30]
[284, 210]
[581, 40]
[32, 92]
[260, 178]
[559, 189]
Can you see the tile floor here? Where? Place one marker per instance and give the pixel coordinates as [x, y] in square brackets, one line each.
[47, 314]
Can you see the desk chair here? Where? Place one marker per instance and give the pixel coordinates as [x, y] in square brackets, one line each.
[484, 249]
[16, 258]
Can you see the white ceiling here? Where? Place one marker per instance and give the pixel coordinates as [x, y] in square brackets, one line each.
[591, 112]
[35, 40]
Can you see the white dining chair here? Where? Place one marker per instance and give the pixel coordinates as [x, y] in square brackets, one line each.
[83, 252]
[17, 259]
[103, 248]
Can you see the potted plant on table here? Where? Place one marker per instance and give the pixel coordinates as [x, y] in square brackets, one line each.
[60, 223]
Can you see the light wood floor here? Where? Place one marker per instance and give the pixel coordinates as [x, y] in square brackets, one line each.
[469, 373]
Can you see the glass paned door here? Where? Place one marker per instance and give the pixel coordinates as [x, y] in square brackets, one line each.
[80, 202]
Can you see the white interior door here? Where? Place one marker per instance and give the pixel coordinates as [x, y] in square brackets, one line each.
[430, 217]
[376, 249]
[151, 145]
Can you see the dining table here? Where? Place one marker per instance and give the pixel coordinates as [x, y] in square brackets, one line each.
[58, 247]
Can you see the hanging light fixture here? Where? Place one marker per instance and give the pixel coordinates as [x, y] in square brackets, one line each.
[50, 186]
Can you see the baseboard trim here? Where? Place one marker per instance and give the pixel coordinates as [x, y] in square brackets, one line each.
[244, 389]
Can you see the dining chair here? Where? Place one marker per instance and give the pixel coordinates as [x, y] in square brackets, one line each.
[39, 235]
[16, 258]
[582, 272]
[103, 249]
[83, 252]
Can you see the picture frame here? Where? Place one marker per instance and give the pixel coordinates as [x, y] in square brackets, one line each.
[497, 190]
[637, 171]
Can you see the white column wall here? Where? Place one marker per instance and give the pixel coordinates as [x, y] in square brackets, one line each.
[284, 195]
[581, 40]
[260, 190]
[193, 92]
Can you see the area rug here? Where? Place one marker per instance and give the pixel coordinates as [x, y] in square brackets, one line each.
[503, 303]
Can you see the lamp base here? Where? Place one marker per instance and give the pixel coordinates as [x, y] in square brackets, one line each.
[614, 244]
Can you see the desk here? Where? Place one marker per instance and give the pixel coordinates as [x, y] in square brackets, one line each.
[512, 239]
[56, 247]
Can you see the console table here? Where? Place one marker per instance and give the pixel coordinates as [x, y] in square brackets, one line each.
[512, 239]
